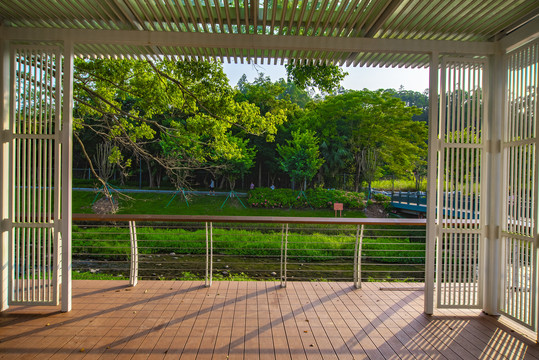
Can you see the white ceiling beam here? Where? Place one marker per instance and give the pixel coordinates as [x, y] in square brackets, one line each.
[520, 36]
[248, 41]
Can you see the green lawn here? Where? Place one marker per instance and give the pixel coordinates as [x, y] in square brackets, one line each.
[152, 203]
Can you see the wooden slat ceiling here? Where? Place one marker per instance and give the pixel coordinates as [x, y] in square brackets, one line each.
[455, 20]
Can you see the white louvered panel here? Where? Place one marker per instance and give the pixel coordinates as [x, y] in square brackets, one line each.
[35, 155]
[460, 181]
[519, 216]
[519, 282]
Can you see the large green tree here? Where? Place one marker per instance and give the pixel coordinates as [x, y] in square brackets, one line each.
[373, 126]
[271, 98]
[181, 116]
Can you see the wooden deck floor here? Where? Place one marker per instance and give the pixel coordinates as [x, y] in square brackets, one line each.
[254, 320]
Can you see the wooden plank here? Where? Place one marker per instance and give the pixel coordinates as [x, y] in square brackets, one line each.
[254, 320]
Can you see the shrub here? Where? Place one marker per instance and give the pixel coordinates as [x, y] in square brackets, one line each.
[316, 198]
[383, 199]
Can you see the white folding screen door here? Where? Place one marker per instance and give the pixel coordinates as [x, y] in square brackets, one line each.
[461, 173]
[518, 295]
[35, 168]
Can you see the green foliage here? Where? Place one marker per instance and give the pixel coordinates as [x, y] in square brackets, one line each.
[414, 98]
[366, 124]
[383, 199]
[324, 77]
[272, 98]
[318, 247]
[238, 163]
[300, 158]
[76, 275]
[392, 250]
[180, 116]
[399, 185]
[317, 198]
[151, 203]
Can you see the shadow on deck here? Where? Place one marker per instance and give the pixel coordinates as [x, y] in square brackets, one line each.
[255, 320]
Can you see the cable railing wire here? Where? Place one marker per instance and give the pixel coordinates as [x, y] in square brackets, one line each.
[311, 249]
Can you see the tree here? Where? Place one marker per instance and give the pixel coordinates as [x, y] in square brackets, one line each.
[235, 166]
[270, 97]
[325, 78]
[366, 121]
[300, 158]
[414, 98]
[178, 115]
[336, 156]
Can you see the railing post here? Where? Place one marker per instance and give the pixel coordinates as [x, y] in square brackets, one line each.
[284, 249]
[133, 268]
[357, 257]
[209, 255]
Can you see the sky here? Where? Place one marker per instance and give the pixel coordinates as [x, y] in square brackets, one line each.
[358, 77]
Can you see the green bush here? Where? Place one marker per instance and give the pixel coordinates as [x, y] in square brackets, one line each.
[383, 199]
[316, 198]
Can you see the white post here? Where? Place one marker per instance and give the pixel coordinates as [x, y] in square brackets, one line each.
[495, 96]
[66, 175]
[209, 255]
[432, 235]
[5, 80]
[211, 252]
[284, 250]
[133, 268]
[357, 257]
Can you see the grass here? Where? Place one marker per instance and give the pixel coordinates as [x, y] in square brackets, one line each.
[398, 185]
[155, 203]
[113, 243]
[76, 275]
[185, 276]
[306, 243]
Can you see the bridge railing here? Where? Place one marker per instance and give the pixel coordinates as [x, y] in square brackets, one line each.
[407, 197]
[461, 205]
[239, 247]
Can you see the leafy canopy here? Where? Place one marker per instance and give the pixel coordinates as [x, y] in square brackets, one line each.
[188, 108]
[300, 158]
[324, 77]
[365, 121]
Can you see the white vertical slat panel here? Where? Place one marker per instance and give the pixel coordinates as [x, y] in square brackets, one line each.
[66, 166]
[461, 168]
[6, 108]
[36, 100]
[433, 173]
[519, 217]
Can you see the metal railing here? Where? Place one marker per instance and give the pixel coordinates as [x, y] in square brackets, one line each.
[248, 247]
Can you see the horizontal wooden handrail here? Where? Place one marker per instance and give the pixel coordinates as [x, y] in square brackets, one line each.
[248, 219]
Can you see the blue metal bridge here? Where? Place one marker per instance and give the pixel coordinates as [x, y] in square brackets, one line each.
[460, 206]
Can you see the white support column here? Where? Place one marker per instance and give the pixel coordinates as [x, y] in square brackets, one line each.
[67, 170]
[495, 93]
[431, 184]
[5, 80]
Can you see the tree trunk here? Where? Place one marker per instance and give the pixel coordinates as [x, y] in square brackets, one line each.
[150, 176]
[260, 174]
[359, 162]
[357, 178]
[222, 184]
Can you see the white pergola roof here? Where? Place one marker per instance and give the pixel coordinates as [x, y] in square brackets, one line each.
[351, 32]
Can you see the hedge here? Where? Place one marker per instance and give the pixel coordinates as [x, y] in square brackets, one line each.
[316, 198]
